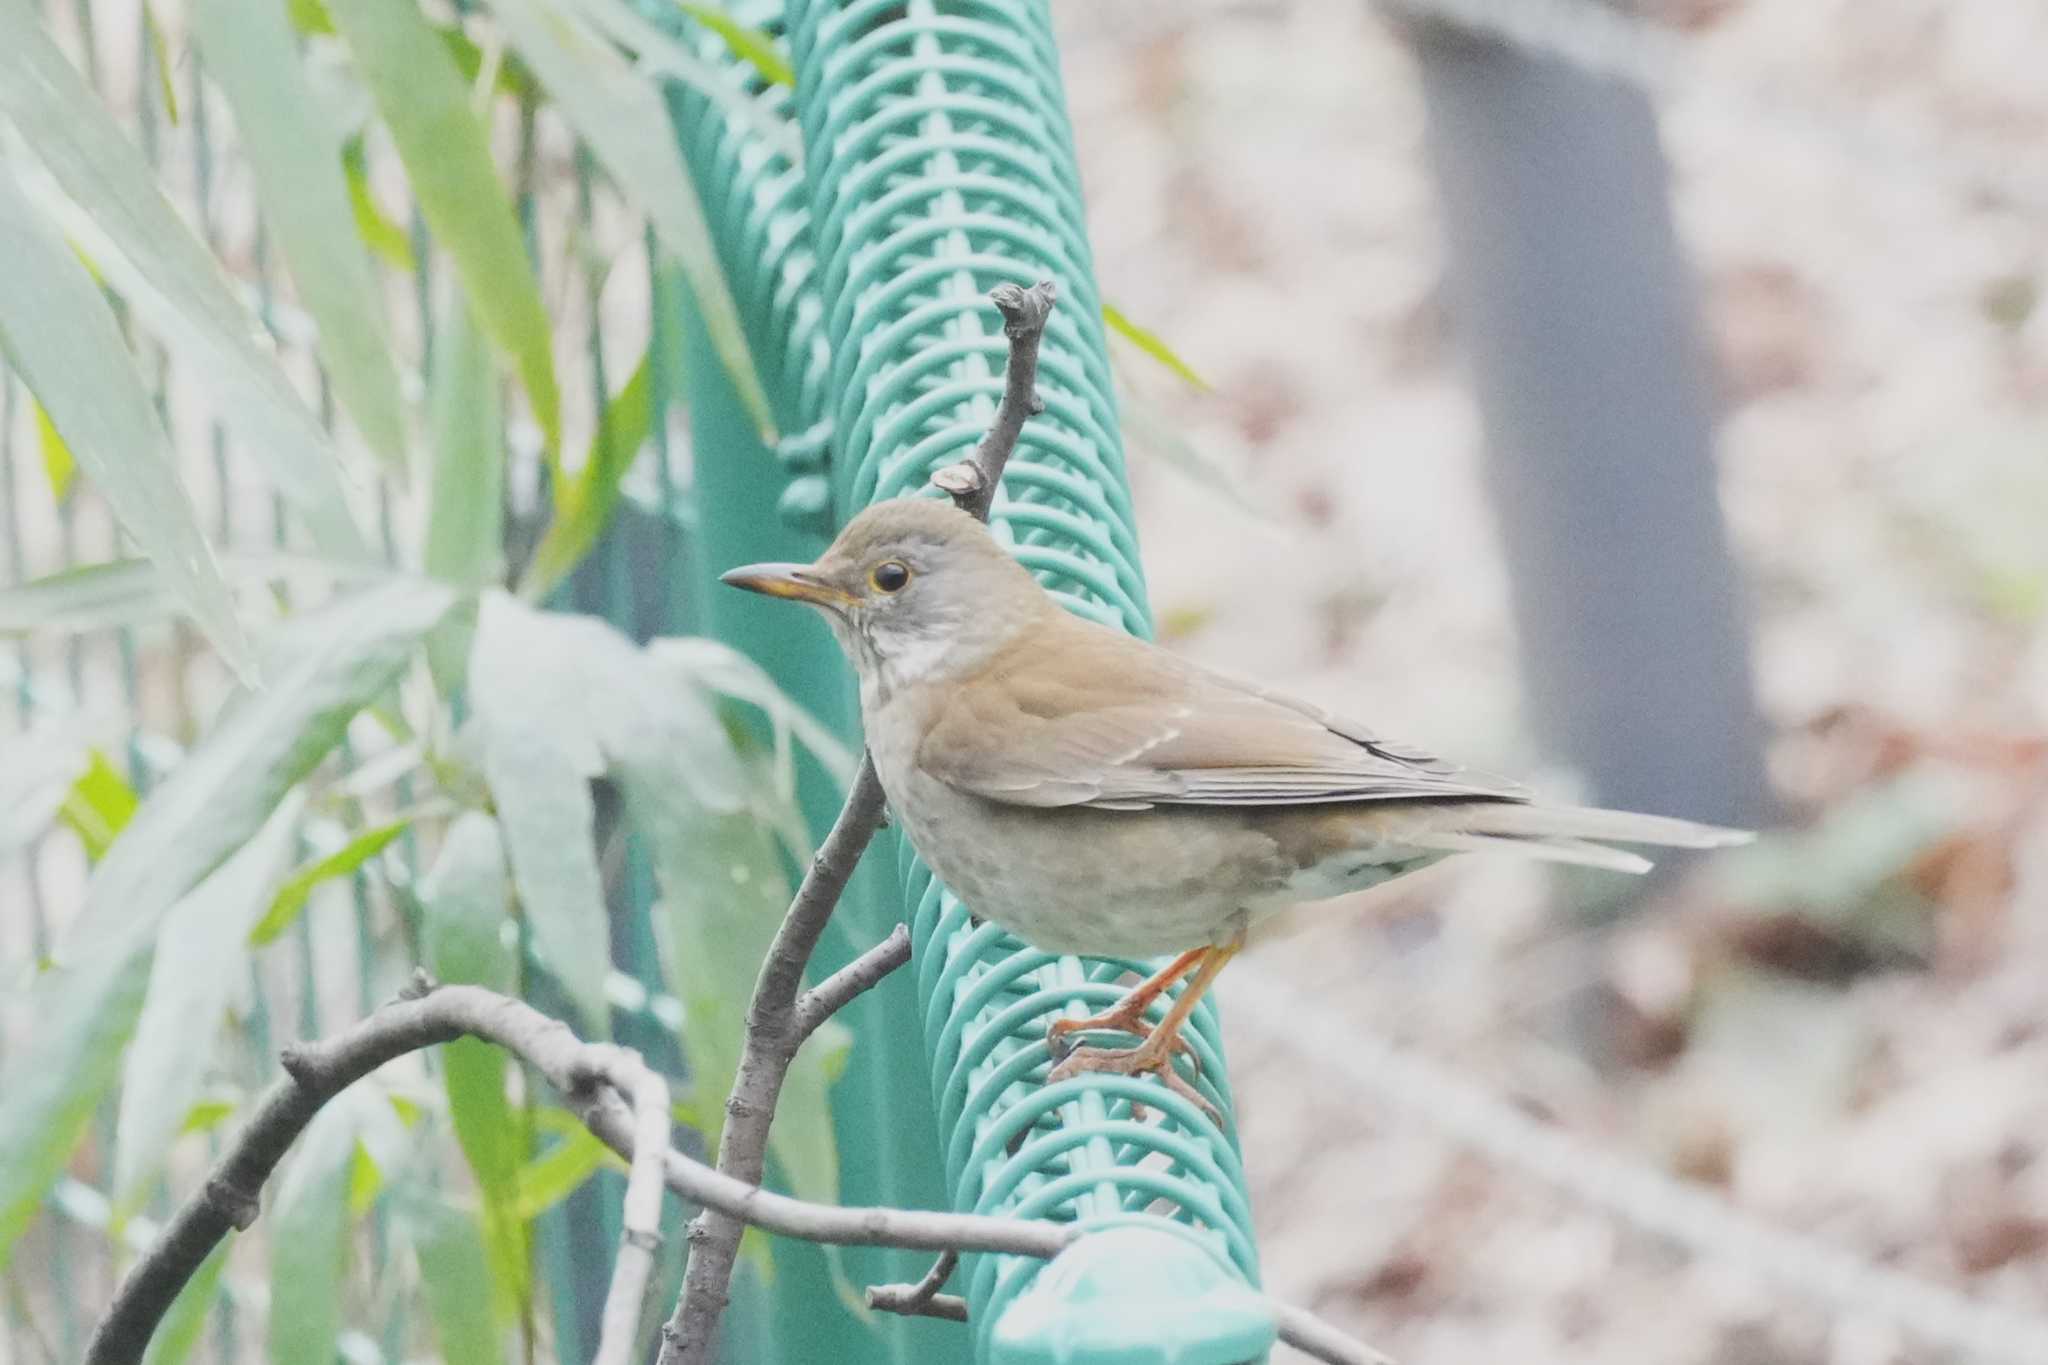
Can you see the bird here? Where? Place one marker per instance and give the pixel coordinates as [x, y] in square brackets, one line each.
[1095, 794]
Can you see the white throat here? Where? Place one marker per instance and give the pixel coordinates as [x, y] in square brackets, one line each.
[894, 659]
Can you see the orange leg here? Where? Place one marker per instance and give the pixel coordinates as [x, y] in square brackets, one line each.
[1155, 1053]
[1128, 1014]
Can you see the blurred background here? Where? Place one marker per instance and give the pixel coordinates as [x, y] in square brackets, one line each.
[1656, 404]
[1649, 400]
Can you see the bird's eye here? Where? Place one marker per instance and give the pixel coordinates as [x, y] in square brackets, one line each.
[891, 575]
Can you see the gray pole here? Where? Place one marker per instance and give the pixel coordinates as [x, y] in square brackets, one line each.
[1578, 315]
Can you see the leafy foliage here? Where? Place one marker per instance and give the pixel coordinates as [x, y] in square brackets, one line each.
[431, 716]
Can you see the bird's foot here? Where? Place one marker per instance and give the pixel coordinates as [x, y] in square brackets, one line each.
[1123, 1017]
[1153, 1056]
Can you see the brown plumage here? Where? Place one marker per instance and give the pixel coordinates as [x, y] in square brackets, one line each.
[1095, 794]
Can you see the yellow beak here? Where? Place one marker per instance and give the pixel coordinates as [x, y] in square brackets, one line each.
[797, 582]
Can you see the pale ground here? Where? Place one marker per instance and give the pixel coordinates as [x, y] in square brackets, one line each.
[1259, 196]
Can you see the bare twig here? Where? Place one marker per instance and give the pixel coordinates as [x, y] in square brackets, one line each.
[319, 1071]
[640, 1226]
[946, 1307]
[1298, 1327]
[1313, 1337]
[770, 1041]
[836, 991]
[973, 482]
[591, 1077]
[776, 1020]
[923, 1299]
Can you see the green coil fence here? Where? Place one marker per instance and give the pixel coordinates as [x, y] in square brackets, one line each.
[937, 164]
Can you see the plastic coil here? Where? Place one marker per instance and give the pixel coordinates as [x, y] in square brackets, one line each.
[939, 164]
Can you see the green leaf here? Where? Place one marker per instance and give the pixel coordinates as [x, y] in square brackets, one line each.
[425, 104]
[111, 206]
[298, 888]
[466, 900]
[539, 758]
[365, 1181]
[182, 1323]
[455, 1277]
[61, 338]
[802, 1138]
[621, 116]
[512, 78]
[384, 237]
[752, 45]
[206, 1115]
[37, 771]
[160, 58]
[1154, 432]
[58, 466]
[1150, 343]
[199, 967]
[295, 160]
[466, 517]
[584, 507]
[309, 1241]
[560, 1171]
[722, 895]
[660, 53]
[310, 17]
[466, 506]
[559, 700]
[133, 592]
[694, 661]
[99, 805]
[325, 666]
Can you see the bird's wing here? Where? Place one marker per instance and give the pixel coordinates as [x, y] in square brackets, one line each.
[1119, 724]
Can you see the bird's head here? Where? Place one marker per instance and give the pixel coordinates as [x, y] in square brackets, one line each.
[915, 589]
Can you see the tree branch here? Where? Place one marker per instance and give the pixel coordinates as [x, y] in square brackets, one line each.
[836, 991]
[640, 1225]
[591, 1077]
[776, 1021]
[923, 1299]
[1313, 1337]
[317, 1072]
[973, 482]
[1298, 1327]
[769, 1043]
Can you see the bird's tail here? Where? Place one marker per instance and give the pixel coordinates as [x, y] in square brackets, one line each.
[1572, 834]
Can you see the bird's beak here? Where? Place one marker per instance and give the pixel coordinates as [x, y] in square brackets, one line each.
[798, 582]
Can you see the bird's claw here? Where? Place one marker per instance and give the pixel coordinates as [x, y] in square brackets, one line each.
[1061, 1035]
[1134, 1061]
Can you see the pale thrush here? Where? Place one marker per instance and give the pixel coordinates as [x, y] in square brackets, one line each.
[1095, 794]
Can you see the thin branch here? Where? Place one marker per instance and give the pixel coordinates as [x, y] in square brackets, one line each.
[769, 1043]
[317, 1072]
[591, 1078]
[836, 991]
[1313, 1337]
[825, 880]
[923, 1299]
[945, 1307]
[973, 482]
[1298, 1327]
[776, 1020]
[640, 1224]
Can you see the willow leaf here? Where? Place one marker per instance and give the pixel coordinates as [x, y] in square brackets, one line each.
[296, 161]
[426, 105]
